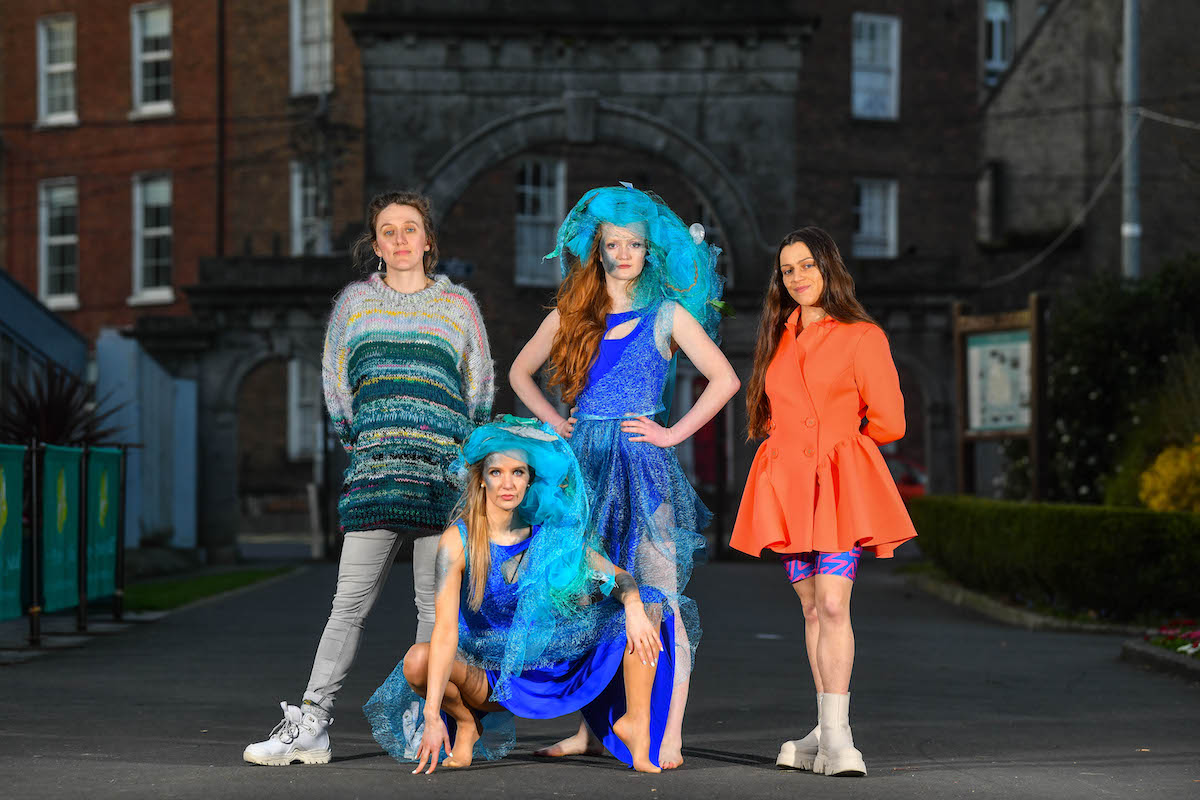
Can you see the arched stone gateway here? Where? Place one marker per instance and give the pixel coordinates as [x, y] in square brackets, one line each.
[709, 90]
[584, 118]
[246, 311]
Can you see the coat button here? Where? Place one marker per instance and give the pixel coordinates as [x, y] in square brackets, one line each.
[774, 452]
[810, 452]
[811, 422]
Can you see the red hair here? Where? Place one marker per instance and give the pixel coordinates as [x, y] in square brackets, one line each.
[583, 303]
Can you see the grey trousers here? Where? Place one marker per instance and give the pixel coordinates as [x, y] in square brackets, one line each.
[367, 557]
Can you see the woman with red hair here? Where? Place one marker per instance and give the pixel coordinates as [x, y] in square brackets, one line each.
[638, 285]
[825, 394]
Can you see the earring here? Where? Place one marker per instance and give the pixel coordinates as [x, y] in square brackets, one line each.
[481, 486]
[381, 268]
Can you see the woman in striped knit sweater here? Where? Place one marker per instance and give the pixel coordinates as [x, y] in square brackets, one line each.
[408, 374]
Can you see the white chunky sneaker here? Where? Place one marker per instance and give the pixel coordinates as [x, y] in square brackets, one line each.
[299, 736]
[800, 753]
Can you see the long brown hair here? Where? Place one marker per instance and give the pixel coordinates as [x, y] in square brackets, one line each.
[837, 300]
[583, 303]
[363, 251]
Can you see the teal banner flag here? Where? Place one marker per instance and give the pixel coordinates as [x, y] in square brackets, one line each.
[12, 487]
[60, 527]
[103, 517]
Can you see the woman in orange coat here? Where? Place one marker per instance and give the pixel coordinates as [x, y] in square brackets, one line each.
[825, 394]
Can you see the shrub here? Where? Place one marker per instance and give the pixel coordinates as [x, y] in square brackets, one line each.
[1172, 483]
[1108, 349]
[1172, 418]
[56, 408]
[1121, 563]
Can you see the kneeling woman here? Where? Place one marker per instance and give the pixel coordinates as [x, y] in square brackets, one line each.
[522, 627]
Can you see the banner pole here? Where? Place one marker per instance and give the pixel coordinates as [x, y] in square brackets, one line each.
[35, 566]
[119, 590]
[81, 560]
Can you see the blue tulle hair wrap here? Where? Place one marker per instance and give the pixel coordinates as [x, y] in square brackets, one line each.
[680, 265]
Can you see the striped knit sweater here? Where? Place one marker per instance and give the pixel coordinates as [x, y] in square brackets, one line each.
[406, 377]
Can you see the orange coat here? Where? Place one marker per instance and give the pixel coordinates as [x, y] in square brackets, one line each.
[819, 482]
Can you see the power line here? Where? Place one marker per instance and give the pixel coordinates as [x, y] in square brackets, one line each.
[32, 125]
[258, 159]
[1075, 223]
[1176, 121]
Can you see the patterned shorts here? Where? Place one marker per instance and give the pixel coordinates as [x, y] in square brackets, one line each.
[804, 565]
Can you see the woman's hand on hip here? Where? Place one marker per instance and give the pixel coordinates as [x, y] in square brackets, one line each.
[648, 430]
[565, 428]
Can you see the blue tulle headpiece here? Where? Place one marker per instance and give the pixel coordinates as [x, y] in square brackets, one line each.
[550, 497]
[680, 265]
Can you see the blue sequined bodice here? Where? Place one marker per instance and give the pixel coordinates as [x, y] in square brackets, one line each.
[628, 376]
[500, 597]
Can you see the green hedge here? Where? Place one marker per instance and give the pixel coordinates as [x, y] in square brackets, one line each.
[1121, 563]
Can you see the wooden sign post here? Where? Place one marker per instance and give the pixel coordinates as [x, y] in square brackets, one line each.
[1000, 363]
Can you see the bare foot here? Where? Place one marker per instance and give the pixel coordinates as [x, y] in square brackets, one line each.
[465, 738]
[583, 743]
[637, 738]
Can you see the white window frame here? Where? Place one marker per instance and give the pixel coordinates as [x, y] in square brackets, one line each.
[142, 294]
[306, 185]
[46, 69]
[324, 83]
[303, 412]
[860, 70]
[529, 268]
[998, 36]
[157, 108]
[63, 301]
[881, 240]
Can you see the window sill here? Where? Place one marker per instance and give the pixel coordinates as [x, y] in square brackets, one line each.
[158, 296]
[52, 123]
[309, 95]
[882, 121]
[62, 302]
[152, 112]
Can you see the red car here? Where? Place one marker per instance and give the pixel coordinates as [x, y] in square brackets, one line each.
[909, 476]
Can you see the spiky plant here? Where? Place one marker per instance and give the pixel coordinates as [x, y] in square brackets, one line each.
[57, 407]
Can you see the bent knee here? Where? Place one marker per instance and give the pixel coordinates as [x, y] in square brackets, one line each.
[416, 664]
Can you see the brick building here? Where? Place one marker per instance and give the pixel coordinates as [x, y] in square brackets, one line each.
[142, 139]
[864, 118]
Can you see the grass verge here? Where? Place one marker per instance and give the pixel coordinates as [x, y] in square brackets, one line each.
[164, 595]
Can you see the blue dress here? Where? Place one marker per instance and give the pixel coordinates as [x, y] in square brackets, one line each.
[592, 682]
[647, 514]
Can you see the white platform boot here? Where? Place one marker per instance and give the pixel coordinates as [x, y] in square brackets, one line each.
[299, 736]
[800, 753]
[836, 754]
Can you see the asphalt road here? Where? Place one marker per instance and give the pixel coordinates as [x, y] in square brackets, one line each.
[945, 705]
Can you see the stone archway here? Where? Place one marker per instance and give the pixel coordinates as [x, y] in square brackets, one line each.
[246, 311]
[584, 118]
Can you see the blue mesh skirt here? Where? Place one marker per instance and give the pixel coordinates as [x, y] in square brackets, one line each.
[649, 518]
